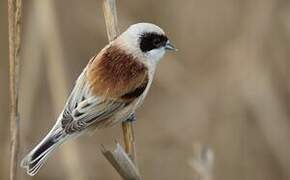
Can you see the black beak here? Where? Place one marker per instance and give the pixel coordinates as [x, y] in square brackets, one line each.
[170, 46]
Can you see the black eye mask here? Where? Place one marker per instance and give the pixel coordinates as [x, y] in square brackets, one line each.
[149, 41]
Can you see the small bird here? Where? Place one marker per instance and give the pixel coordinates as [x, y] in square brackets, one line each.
[109, 90]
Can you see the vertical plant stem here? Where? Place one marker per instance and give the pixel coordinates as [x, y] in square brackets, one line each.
[111, 20]
[129, 140]
[14, 23]
[110, 13]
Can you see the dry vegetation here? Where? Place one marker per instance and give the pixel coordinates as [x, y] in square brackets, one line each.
[227, 88]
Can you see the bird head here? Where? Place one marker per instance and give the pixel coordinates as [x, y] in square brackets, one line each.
[145, 41]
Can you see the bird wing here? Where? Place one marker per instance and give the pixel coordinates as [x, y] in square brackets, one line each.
[84, 109]
[88, 112]
[98, 96]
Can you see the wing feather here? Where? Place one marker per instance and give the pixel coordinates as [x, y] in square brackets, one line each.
[84, 109]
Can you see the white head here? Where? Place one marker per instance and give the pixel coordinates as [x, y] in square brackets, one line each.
[146, 41]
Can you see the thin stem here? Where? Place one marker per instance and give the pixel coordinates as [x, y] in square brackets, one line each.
[14, 21]
[110, 13]
[129, 140]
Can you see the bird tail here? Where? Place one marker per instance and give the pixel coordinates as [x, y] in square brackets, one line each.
[33, 161]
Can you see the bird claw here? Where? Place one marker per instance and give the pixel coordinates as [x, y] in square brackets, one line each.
[132, 118]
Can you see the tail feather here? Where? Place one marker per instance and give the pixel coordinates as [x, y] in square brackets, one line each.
[38, 156]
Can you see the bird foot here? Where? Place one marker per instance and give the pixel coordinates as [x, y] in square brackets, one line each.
[132, 118]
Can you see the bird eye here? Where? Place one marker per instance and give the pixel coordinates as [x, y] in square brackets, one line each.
[157, 42]
[149, 41]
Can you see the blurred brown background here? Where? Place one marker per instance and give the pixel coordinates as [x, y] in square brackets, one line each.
[218, 109]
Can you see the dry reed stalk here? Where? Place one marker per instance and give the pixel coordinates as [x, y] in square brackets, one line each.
[110, 13]
[14, 21]
[129, 140]
[124, 163]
